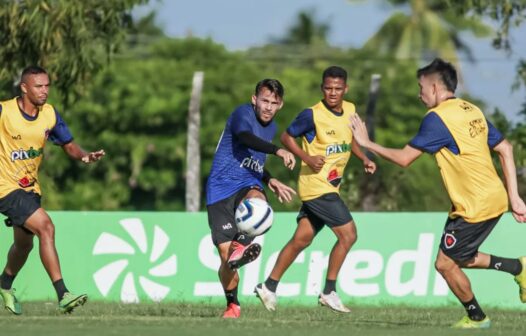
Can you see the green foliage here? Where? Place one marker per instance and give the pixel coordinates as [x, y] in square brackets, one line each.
[71, 39]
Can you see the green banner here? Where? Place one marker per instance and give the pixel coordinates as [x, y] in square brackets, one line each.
[169, 256]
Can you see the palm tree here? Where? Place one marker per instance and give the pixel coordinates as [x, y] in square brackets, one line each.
[306, 30]
[431, 29]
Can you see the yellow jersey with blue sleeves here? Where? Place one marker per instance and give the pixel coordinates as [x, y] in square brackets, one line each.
[324, 133]
[460, 137]
[22, 144]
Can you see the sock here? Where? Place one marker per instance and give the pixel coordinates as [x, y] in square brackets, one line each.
[512, 266]
[243, 239]
[330, 286]
[6, 280]
[271, 284]
[60, 287]
[231, 296]
[473, 309]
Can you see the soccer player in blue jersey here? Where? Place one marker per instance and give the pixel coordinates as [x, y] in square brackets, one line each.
[457, 133]
[26, 122]
[238, 172]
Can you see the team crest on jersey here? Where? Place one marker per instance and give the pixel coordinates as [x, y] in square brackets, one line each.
[26, 182]
[449, 240]
[333, 178]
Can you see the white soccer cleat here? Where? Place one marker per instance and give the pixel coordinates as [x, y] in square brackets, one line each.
[267, 297]
[333, 301]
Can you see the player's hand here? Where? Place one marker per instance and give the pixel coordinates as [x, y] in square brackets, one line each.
[282, 191]
[315, 162]
[93, 156]
[518, 210]
[288, 158]
[369, 166]
[359, 131]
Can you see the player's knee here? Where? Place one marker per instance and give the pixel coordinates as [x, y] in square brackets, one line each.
[301, 243]
[24, 247]
[46, 230]
[444, 266]
[348, 239]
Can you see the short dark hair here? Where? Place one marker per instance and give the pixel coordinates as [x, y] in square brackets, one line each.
[334, 72]
[273, 85]
[446, 71]
[31, 70]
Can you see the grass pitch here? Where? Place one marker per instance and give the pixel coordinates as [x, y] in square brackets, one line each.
[97, 318]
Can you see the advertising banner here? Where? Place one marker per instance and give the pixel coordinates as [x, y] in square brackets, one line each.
[169, 257]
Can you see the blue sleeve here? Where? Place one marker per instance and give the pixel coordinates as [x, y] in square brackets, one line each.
[242, 119]
[303, 125]
[494, 136]
[60, 134]
[433, 135]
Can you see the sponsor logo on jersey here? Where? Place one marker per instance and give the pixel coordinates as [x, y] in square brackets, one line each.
[337, 148]
[252, 164]
[28, 154]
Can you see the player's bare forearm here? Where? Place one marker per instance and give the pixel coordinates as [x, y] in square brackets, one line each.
[402, 157]
[290, 143]
[74, 151]
[357, 151]
[505, 152]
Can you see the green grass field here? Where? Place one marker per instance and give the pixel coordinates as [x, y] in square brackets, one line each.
[97, 318]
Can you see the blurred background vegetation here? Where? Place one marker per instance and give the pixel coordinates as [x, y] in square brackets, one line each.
[121, 84]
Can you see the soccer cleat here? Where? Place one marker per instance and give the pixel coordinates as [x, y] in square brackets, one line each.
[71, 301]
[520, 279]
[333, 301]
[267, 297]
[10, 301]
[467, 323]
[242, 255]
[232, 311]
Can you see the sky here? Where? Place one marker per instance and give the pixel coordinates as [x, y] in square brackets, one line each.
[241, 24]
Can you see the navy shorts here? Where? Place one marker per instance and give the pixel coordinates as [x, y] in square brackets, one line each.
[328, 209]
[221, 217]
[18, 206]
[461, 240]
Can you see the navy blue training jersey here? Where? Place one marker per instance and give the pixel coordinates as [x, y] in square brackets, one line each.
[236, 166]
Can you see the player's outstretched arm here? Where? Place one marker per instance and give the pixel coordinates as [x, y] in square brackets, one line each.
[402, 157]
[74, 151]
[314, 162]
[505, 152]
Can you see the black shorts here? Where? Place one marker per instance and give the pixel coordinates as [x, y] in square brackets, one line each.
[327, 209]
[18, 206]
[221, 216]
[461, 240]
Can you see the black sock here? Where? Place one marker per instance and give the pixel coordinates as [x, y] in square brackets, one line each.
[243, 239]
[60, 287]
[6, 280]
[512, 266]
[474, 311]
[271, 284]
[330, 286]
[231, 296]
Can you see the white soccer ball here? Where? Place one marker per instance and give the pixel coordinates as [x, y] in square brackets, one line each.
[254, 216]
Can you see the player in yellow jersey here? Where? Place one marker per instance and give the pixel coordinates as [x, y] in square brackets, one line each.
[460, 137]
[326, 148]
[26, 122]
